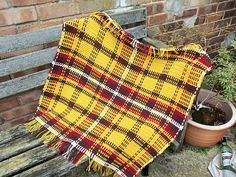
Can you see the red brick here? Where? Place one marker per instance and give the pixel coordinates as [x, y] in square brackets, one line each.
[16, 3]
[218, 1]
[8, 124]
[4, 78]
[215, 17]
[207, 9]
[230, 13]
[7, 31]
[216, 40]
[213, 47]
[1, 121]
[29, 96]
[8, 103]
[227, 29]
[204, 27]
[36, 26]
[171, 26]
[183, 41]
[156, 8]
[200, 20]
[57, 10]
[226, 5]
[233, 21]
[212, 34]
[164, 37]
[157, 19]
[212, 54]
[222, 23]
[20, 120]
[17, 16]
[3, 4]
[19, 111]
[187, 13]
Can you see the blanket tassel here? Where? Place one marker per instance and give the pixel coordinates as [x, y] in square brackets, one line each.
[96, 167]
[43, 134]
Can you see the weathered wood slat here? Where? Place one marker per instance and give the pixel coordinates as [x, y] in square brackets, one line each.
[29, 39]
[37, 79]
[18, 146]
[22, 84]
[25, 160]
[128, 15]
[42, 57]
[12, 134]
[51, 34]
[154, 42]
[54, 167]
[27, 61]
[138, 32]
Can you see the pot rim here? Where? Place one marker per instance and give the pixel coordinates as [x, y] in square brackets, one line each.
[228, 124]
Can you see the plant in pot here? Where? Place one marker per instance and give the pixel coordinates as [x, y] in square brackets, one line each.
[213, 112]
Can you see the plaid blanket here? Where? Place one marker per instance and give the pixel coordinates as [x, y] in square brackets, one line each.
[114, 99]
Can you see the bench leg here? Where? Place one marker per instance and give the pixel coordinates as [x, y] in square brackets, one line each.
[176, 146]
[145, 170]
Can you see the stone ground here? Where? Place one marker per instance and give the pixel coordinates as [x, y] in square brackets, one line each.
[189, 162]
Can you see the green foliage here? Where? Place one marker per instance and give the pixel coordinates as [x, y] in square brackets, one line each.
[203, 151]
[223, 76]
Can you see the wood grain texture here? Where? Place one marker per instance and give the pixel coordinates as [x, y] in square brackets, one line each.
[46, 35]
[35, 59]
[128, 15]
[154, 42]
[25, 160]
[55, 167]
[42, 57]
[27, 61]
[13, 134]
[138, 32]
[29, 39]
[22, 84]
[37, 37]
[23, 155]
[18, 146]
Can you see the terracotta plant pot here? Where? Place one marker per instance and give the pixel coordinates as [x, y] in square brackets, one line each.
[204, 135]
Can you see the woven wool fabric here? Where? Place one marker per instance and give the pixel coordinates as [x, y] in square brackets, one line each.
[113, 99]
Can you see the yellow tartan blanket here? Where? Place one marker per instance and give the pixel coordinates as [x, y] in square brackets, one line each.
[114, 99]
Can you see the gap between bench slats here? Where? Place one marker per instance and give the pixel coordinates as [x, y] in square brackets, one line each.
[43, 57]
[51, 34]
[25, 160]
[27, 61]
[32, 60]
[23, 83]
[18, 146]
[57, 166]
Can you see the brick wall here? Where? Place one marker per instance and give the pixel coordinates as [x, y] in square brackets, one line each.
[207, 22]
[174, 22]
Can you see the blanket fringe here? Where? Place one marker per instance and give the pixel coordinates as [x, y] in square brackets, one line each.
[43, 134]
[96, 167]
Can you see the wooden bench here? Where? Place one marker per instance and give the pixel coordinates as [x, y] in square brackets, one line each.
[20, 153]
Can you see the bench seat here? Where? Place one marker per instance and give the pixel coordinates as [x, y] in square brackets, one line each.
[22, 155]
